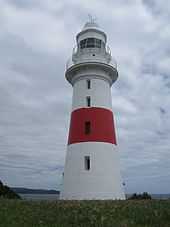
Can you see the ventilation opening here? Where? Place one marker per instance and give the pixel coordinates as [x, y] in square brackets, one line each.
[87, 162]
[87, 129]
[88, 101]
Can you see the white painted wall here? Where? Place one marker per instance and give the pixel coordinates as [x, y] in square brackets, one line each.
[102, 181]
[91, 55]
[100, 94]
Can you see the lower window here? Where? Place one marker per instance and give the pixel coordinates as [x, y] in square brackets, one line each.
[87, 162]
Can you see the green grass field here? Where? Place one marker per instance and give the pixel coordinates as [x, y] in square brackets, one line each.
[18, 213]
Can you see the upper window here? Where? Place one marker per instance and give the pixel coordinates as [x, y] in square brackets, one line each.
[88, 84]
[90, 43]
[88, 101]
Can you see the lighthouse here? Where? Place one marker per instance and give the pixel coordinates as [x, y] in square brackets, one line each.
[92, 169]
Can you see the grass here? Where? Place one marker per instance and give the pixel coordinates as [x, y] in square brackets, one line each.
[148, 213]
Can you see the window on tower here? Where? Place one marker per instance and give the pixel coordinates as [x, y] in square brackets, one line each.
[83, 43]
[87, 162]
[88, 101]
[87, 128]
[98, 43]
[88, 84]
[91, 43]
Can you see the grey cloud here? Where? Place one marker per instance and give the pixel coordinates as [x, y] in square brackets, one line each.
[160, 9]
[36, 39]
[22, 4]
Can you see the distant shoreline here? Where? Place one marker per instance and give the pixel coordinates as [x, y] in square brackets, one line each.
[46, 192]
[34, 191]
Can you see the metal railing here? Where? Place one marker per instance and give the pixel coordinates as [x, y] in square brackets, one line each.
[105, 58]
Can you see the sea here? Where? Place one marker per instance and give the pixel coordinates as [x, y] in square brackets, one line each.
[53, 197]
[47, 197]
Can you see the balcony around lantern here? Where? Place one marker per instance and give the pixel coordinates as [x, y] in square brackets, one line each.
[100, 55]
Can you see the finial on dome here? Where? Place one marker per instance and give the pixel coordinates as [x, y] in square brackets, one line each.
[91, 23]
[92, 19]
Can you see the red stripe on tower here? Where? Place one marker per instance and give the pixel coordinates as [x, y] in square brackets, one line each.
[92, 124]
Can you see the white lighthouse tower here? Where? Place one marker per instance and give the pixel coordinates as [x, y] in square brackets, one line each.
[92, 168]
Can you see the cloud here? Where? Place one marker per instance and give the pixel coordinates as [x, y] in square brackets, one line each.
[36, 39]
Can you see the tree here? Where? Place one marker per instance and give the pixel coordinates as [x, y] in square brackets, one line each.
[6, 192]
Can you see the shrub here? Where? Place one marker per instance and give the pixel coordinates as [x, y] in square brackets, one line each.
[144, 195]
[6, 192]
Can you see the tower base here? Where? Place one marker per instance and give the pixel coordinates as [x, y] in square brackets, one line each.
[101, 182]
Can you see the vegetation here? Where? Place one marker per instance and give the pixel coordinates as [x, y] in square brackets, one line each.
[145, 195]
[6, 192]
[129, 213]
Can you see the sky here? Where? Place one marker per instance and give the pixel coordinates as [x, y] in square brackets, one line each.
[36, 40]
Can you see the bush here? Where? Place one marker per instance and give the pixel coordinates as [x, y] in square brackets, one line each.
[6, 192]
[144, 195]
